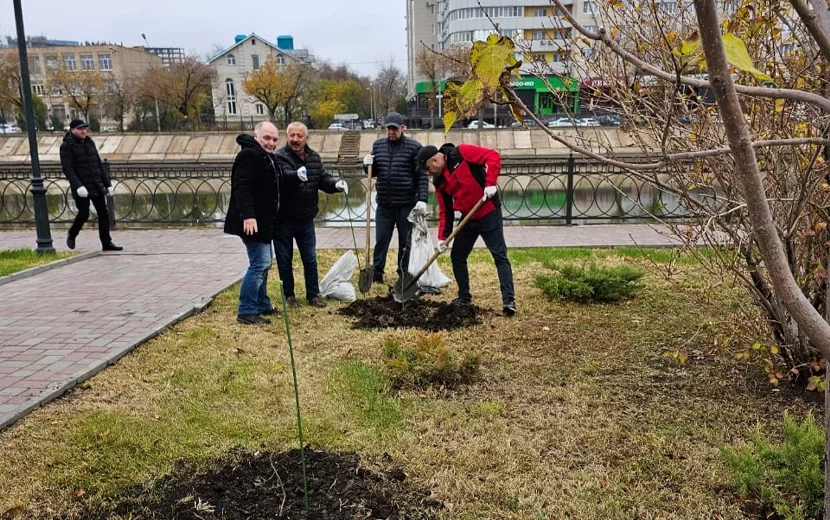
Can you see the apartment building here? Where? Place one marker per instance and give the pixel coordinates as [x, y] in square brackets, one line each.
[546, 47]
[113, 62]
[234, 64]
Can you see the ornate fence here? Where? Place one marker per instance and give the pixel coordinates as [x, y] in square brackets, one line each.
[554, 192]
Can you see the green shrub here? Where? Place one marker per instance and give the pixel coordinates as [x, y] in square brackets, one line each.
[591, 283]
[426, 361]
[786, 479]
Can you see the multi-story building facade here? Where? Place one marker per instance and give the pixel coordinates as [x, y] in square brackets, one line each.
[546, 47]
[233, 66]
[115, 63]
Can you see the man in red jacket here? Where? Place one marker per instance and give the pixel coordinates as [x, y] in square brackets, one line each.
[462, 176]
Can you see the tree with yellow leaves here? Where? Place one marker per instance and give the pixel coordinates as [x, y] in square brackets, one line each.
[278, 86]
[82, 89]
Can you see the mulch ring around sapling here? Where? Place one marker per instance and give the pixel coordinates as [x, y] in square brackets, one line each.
[385, 312]
[270, 485]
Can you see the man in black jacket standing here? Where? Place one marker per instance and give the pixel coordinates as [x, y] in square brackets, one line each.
[401, 185]
[303, 174]
[252, 215]
[89, 181]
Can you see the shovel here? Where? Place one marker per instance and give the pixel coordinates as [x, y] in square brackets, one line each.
[367, 274]
[406, 287]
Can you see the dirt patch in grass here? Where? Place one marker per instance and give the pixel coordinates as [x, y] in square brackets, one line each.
[385, 312]
[270, 485]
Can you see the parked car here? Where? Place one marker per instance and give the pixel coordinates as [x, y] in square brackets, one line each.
[337, 127]
[528, 123]
[484, 124]
[586, 121]
[9, 129]
[610, 120]
[562, 122]
[368, 124]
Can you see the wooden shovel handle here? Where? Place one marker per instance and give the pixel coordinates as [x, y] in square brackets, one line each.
[368, 214]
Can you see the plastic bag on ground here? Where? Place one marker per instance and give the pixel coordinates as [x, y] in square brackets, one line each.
[421, 248]
[336, 284]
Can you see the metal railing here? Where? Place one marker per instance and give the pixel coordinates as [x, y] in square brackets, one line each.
[551, 192]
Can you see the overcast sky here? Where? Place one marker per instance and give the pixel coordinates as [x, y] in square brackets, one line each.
[361, 33]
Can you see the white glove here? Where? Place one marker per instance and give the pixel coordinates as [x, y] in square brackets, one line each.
[302, 173]
[421, 208]
[342, 186]
[82, 192]
[109, 191]
[442, 246]
[368, 159]
[489, 191]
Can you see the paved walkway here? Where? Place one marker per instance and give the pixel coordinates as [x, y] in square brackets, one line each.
[63, 325]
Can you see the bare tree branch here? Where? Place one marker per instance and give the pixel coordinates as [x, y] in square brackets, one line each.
[817, 22]
[764, 92]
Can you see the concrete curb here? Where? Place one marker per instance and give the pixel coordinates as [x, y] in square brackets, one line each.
[72, 382]
[47, 267]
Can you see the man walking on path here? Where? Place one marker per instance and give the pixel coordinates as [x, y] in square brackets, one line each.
[401, 186]
[89, 181]
[302, 175]
[462, 176]
[252, 215]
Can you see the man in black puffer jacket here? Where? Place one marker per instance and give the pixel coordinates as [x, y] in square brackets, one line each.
[401, 185]
[303, 174]
[89, 181]
[252, 215]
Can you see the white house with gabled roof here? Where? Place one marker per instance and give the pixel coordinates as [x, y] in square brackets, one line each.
[234, 64]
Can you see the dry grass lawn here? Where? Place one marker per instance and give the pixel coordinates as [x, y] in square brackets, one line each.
[577, 413]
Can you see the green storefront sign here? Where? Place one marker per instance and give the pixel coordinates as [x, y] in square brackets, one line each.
[534, 92]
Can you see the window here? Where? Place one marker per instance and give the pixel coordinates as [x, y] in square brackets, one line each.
[69, 62]
[253, 41]
[110, 87]
[589, 7]
[539, 58]
[52, 62]
[255, 61]
[667, 8]
[38, 89]
[260, 109]
[540, 12]
[231, 59]
[538, 35]
[592, 28]
[230, 91]
[432, 28]
[56, 90]
[478, 12]
[87, 62]
[105, 62]
[280, 60]
[34, 64]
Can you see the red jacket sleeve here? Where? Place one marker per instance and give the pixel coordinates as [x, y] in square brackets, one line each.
[490, 158]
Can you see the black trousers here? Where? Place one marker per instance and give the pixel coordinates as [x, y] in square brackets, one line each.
[83, 215]
[491, 229]
[387, 218]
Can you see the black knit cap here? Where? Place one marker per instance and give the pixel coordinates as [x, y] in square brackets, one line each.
[426, 153]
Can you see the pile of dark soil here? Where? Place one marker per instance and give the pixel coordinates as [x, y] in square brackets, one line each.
[385, 312]
[270, 485]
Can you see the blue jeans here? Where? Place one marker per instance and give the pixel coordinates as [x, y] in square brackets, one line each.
[301, 231]
[387, 218]
[253, 295]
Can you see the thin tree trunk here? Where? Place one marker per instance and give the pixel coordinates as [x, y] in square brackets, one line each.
[775, 259]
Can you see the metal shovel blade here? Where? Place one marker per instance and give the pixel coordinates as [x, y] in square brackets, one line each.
[405, 288]
[365, 278]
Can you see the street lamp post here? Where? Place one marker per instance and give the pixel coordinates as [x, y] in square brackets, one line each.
[158, 120]
[371, 101]
[44, 235]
